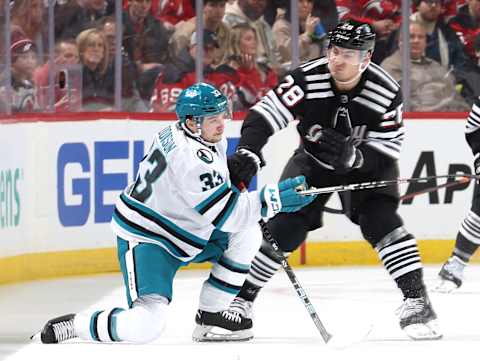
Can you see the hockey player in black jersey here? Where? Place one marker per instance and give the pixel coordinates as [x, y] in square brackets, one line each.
[350, 122]
[468, 237]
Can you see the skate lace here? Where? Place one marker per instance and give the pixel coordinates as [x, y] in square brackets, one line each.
[64, 330]
[232, 316]
[410, 307]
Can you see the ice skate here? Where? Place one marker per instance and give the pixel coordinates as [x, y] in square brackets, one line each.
[243, 307]
[451, 275]
[222, 326]
[418, 319]
[58, 329]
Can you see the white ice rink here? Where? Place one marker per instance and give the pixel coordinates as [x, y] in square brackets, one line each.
[347, 301]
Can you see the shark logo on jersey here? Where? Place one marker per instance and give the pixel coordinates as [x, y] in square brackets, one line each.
[205, 155]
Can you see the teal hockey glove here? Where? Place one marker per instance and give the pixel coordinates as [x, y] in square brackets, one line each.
[283, 197]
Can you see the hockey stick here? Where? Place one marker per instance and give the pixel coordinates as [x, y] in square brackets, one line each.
[296, 284]
[293, 278]
[410, 195]
[383, 183]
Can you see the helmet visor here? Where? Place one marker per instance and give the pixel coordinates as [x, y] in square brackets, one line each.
[219, 118]
[337, 54]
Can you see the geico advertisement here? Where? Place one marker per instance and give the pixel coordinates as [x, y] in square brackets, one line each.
[59, 185]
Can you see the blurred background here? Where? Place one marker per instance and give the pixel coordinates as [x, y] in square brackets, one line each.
[136, 55]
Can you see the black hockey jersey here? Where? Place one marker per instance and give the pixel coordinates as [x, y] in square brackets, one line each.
[371, 112]
[472, 128]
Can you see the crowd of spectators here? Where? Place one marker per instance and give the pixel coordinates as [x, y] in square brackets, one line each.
[247, 47]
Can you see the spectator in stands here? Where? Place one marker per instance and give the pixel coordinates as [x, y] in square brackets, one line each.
[443, 45]
[146, 41]
[131, 101]
[255, 78]
[470, 78]
[432, 87]
[29, 16]
[251, 13]
[74, 16]
[213, 12]
[98, 77]
[384, 16]
[450, 8]
[180, 74]
[312, 34]
[24, 62]
[171, 12]
[467, 25]
[326, 10]
[66, 93]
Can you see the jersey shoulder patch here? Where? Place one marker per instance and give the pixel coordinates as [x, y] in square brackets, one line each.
[205, 155]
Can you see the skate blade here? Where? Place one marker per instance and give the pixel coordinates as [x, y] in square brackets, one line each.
[423, 331]
[217, 334]
[445, 286]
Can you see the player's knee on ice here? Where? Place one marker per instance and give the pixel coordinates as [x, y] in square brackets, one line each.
[143, 322]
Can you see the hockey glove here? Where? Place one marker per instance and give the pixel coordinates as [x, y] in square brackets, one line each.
[242, 166]
[283, 197]
[341, 152]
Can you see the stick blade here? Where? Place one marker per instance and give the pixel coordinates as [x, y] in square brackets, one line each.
[345, 339]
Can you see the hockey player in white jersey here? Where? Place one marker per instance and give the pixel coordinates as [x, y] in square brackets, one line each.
[183, 208]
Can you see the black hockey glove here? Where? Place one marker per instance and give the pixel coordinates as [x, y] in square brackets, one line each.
[340, 151]
[242, 166]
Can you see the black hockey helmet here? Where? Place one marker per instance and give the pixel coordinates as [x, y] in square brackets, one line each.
[352, 34]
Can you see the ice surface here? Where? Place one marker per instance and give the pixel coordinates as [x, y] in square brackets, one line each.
[348, 301]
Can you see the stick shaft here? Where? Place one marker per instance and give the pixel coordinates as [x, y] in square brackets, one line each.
[296, 284]
[382, 183]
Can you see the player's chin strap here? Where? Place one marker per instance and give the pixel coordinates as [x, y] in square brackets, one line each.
[196, 135]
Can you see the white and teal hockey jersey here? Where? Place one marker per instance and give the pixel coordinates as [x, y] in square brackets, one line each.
[181, 195]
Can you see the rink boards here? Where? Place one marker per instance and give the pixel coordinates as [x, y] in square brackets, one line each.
[59, 180]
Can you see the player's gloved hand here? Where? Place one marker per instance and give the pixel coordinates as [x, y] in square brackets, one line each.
[283, 197]
[340, 152]
[242, 166]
